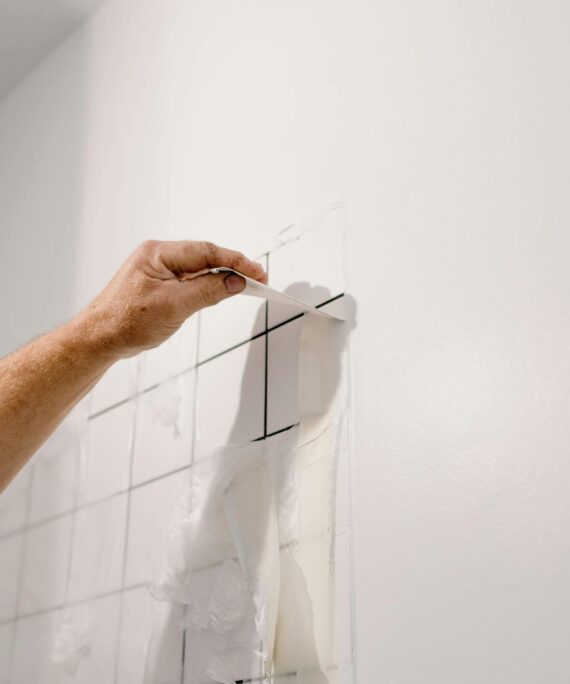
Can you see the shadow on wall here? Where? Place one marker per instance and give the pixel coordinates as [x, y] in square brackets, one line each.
[43, 139]
[330, 349]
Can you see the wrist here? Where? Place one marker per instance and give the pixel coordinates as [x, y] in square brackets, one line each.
[91, 336]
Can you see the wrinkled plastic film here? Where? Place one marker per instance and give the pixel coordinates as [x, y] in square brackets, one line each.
[250, 547]
[83, 617]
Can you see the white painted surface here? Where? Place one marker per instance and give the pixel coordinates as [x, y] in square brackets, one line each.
[31, 29]
[443, 126]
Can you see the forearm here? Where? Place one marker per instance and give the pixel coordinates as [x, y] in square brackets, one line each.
[40, 384]
[149, 298]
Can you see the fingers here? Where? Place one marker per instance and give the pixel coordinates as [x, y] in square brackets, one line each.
[185, 256]
[207, 290]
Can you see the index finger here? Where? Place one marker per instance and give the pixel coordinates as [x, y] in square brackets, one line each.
[187, 257]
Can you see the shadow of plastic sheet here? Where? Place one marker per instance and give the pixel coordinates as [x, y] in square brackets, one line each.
[250, 546]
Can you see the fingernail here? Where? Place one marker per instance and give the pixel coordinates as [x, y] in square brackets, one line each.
[234, 283]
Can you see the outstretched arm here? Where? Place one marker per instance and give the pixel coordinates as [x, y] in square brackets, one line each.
[150, 297]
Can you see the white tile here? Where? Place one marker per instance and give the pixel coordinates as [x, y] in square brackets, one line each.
[320, 345]
[108, 451]
[47, 549]
[10, 563]
[231, 395]
[151, 637]
[164, 428]
[98, 549]
[14, 502]
[6, 640]
[151, 510]
[35, 635]
[282, 371]
[311, 267]
[226, 656]
[87, 636]
[118, 383]
[230, 322]
[174, 356]
[55, 471]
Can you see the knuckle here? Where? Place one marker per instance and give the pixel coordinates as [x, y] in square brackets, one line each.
[210, 248]
[238, 261]
[148, 248]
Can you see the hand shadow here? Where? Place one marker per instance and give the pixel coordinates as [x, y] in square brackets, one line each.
[282, 409]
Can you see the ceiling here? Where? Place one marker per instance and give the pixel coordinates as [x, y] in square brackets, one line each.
[30, 29]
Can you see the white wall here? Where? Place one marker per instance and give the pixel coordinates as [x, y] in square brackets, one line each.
[41, 165]
[443, 126]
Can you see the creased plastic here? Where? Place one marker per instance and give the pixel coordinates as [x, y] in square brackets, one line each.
[249, 556]
[79, 620]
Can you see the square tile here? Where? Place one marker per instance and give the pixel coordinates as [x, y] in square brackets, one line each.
[98, 549]
[310, 267]
[231, 396]
[6, 640]
[175, 355]
[282, 374]
[306, 374]
[35, 635]
[86, 641]
[230, 322]
[11, 549]
[108, 453]
[55, 471]
[118, 383]
[151, 509]
[150, 637]
[46, 561]
[212, 655]
[14, 502]
[164, 428]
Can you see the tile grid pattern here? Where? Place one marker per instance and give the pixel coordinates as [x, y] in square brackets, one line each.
[72, 512]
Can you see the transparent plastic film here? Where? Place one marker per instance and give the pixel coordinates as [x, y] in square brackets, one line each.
[249, 558]
[81, 644]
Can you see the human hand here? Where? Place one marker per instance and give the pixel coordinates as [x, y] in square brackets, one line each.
[159, 286]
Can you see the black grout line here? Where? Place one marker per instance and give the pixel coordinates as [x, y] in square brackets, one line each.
[265, 385]
[266, 375]
[22, 565]
[71, 604]
[122, 492]
[275, 432]
[192, 448]
[132, 447]
[74, 515]
[198, 363]
[159, 477]
[129, 587]
[265, 403]
[232, 348]
[131, 487]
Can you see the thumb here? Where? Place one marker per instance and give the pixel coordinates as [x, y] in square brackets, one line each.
[209, 289]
